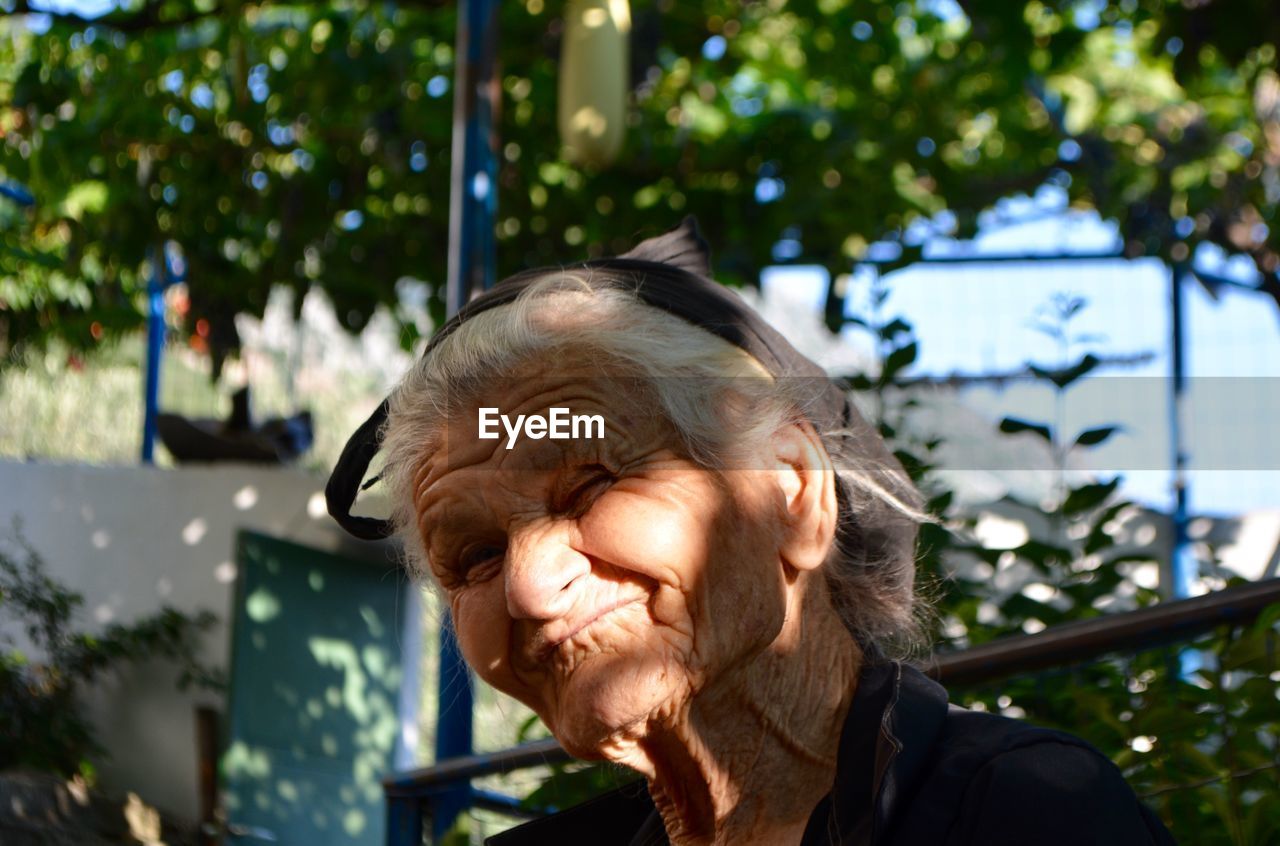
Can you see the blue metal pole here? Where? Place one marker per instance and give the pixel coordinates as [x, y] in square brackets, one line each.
[473, 201]
[155, 350]
[1182, 563]
[404, 821]
[453, 729]
[472, 263]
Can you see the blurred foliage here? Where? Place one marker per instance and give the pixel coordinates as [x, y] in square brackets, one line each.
[1076, 568]
[1201, 749]
[42, 724]
[308, 144]
[1195, 727]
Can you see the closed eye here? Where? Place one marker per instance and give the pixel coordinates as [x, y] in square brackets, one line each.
[580, 497]
[480, 561]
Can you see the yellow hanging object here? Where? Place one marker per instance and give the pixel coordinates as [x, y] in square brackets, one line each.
[594, 65]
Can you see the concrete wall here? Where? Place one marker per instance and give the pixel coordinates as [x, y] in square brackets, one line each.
[131, 539]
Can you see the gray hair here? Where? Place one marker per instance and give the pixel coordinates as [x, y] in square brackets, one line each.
[871, 570]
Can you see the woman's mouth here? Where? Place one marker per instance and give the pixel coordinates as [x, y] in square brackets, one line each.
[563, 633]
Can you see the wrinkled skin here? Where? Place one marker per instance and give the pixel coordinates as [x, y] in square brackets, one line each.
[652, 612]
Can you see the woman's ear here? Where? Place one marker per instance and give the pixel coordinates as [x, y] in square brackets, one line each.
[806, 481]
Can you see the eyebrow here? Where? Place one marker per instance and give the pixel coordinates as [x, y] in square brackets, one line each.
[576, 465]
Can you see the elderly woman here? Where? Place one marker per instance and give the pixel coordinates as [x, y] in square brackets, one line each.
[671, 535]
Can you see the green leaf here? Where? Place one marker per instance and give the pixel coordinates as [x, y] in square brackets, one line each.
[1269, 617]
[90, 196]
[1063, 377]
[529, 729]
[1093, 437]
[1043, 555]
[572, 784]
[893, 328]
[1013, 425]
[1098, 538]
[858, 382]
[897, 360]
[1088, 496]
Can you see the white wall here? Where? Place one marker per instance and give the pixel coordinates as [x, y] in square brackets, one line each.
[131, 539]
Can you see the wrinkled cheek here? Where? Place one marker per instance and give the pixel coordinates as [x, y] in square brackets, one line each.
[655, 539]
[668, 547]
[484, 637]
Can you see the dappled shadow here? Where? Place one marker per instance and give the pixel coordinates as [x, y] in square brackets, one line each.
[315, 683]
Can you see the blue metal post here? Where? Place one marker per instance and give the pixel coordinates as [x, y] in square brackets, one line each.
[1182, 563]
[472, 262]
[453, 729]
[155, 350]
[404, 821]
[473, 201]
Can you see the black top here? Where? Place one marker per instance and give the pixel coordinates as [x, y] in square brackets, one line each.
[915, 771]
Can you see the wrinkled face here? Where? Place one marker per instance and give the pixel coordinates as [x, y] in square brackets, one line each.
[603, 582]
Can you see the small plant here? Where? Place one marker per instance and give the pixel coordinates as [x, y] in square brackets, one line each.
[41, 725]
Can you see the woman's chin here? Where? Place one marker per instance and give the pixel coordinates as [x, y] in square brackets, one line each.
[601, 707]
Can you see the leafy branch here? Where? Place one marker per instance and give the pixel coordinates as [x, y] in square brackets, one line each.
[41, 722]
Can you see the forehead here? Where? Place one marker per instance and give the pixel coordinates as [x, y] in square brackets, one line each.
[602, 419]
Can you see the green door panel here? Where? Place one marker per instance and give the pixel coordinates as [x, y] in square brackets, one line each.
[315, 679]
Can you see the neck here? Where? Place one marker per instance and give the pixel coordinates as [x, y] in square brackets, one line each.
[746, 761]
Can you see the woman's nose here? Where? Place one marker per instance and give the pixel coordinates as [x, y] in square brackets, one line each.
[541, 569]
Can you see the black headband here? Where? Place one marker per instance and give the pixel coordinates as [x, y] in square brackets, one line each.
[670, 272]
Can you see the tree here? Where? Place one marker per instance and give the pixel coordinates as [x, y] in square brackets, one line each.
[308, 144]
